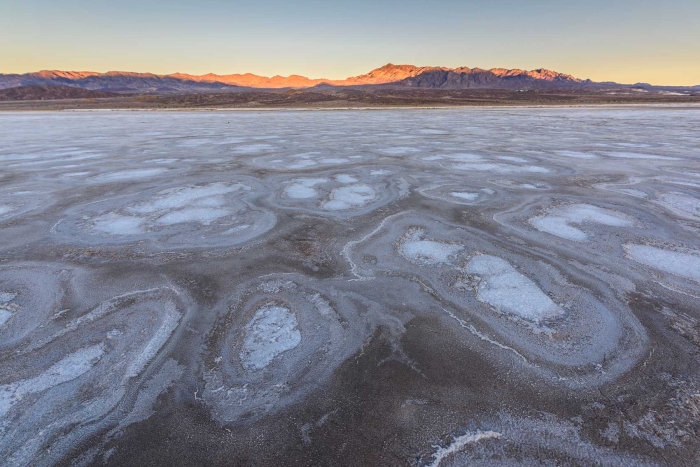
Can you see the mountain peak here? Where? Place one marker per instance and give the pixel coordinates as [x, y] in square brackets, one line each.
[389, 74]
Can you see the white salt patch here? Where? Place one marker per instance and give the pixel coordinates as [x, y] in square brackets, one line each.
[558, 224]
[231, 140]
[160, 337]
[4, 209]
[681, 203]
[579, 213]
[253, 148]
[633, 192]
[634, 155]
[306, 155]
[536, 169]
[116, 224]
[334, 160]
[375, 173]
[398, 151]
[301, 164]
[236, 229]
[298, 191]
[345, 178]
[432, 158]
[202, 215]
[348, 197]
[189, 143]
[431, 252]
[680, 264]
[485, 167]
[576, 155]
[464, 195]
[507, 290]
[6, 297]
[271, 332]
[181, 197]
[303, 188]
[67, 369]
[466, 157]
[5, 315]
[212, 202]
[164, 161]
[458, 443]
[692, 183]
[18, 157]
[6, 309]
[500, 168]
[633, 145]
[129, 175]
[512, 159]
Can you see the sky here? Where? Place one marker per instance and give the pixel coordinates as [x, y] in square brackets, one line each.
[626, 41]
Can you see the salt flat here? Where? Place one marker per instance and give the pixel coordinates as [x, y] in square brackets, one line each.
[506, 286]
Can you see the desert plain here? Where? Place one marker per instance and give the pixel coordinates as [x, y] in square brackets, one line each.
[425, 287]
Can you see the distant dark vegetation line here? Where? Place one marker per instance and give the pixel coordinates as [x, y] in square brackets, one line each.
[63, 97]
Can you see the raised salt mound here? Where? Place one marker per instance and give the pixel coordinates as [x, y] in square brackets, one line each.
[417, 250]
[208, 214]
[345, 178]
[349, 197]
[99, 354]
[5, 209]
[680, 264]
[456, 193]
[542, 439]
[682, 204]
[558, 221]
[6, 308]
[282, 336]
[464, 195]
[17, 204]
[558, 318]
[509, 291]
[29, 294]
[346, 194]
[66, 369]
[303, 188]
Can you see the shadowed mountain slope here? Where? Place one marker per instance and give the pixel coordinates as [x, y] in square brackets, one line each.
[399, 76]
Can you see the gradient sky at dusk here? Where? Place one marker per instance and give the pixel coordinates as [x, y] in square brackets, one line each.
[618, 40]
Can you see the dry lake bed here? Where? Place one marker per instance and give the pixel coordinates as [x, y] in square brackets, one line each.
[491, 287]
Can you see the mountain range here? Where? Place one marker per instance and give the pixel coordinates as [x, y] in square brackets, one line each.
[388, 76]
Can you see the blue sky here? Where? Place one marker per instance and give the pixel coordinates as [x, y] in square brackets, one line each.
[620, 40]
